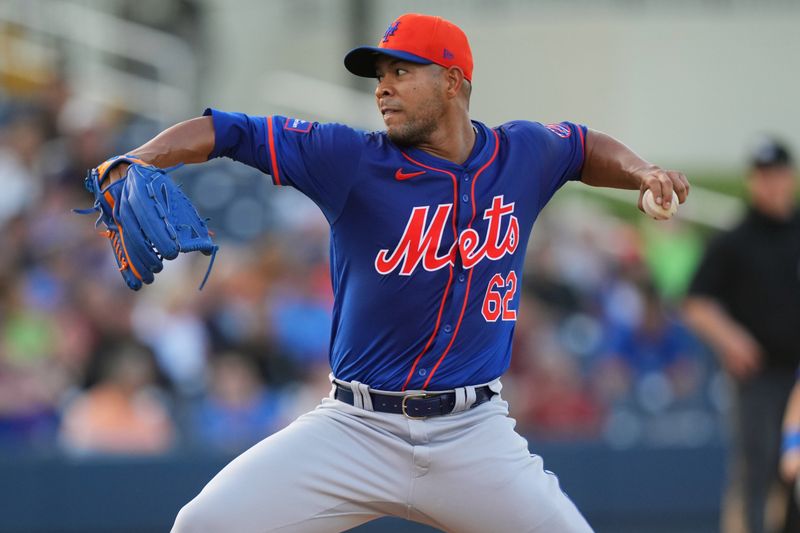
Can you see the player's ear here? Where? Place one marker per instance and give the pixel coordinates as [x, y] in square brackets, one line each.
[455, 80]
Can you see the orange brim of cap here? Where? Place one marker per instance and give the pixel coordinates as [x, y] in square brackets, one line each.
[361, 61]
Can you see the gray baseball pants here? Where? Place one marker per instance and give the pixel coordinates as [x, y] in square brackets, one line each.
[340, 465]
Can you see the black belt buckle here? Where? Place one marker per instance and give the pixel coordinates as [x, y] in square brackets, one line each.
[403, 406]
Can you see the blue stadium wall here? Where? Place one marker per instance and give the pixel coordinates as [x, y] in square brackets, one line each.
[635, 490]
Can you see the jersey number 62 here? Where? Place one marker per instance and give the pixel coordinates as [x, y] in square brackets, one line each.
[496, 306]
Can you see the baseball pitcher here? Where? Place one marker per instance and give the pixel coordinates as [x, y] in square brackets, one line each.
[429, 223]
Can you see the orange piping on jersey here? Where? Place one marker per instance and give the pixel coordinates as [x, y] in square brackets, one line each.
[583, 145]
[480, 171]
[455, 331]
[455, 190]
[435, 330]
[449, 279]
[276, 178]
[469, 278]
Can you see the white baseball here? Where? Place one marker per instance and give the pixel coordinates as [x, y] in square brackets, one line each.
[656, 211]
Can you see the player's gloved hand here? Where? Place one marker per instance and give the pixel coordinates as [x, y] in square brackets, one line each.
[147, 218]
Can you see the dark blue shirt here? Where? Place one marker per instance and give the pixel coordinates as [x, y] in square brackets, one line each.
[426, 254]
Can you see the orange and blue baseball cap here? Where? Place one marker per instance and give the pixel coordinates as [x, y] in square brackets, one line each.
[416, 38]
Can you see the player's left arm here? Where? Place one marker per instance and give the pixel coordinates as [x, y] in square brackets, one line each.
[609, 163]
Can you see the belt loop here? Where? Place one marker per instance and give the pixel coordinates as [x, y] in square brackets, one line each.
[471, 396]
[361, 396]
[461, 400]
[332, 394]
[465, 397]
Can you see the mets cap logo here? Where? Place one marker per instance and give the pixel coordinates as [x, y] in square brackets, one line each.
[391, 30]
[559, 129]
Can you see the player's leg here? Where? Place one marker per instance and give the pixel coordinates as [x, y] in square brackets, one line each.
[482, 478]
[329, 470]
[759, 408]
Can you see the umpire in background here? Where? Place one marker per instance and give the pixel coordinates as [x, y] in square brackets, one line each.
[744, 302]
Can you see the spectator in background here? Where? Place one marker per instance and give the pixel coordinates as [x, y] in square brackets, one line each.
[170, 326]
[31, 380]
[552, 401]
[239, 410]
[301, 312]
[745, 302]
[20, 144]
[656, 343]
[123, 413]
[649, 370]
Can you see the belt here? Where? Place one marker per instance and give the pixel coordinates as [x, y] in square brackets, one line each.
[415, 405]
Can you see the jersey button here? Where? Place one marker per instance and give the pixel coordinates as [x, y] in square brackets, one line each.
[466, 177]
[461, 278]
[447, 328]
[422, 371]
[465, 198]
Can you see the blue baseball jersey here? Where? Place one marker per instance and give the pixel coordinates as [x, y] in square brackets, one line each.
[426, 255]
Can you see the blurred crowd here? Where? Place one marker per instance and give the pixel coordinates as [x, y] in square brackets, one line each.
[89, 367]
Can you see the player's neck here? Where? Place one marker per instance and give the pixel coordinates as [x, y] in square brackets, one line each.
[453, 143]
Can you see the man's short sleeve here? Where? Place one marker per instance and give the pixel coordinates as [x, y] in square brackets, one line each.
[320, 160]
[557, 152]
[713, 275]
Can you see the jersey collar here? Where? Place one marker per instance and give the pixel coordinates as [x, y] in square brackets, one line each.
[481, 152]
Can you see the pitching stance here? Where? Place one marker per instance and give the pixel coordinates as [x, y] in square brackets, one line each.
[429, 221]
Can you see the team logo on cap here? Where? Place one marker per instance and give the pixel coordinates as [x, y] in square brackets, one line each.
[390, 31]
[559, 129]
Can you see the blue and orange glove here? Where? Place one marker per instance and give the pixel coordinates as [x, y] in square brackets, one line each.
[147, 218]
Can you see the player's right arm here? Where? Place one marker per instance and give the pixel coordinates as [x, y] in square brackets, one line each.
[190, 141]
[609, 163]
[790, 457]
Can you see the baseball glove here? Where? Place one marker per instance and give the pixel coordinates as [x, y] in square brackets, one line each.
[147, 219]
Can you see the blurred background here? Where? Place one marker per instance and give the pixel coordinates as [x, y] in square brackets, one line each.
[116, 407]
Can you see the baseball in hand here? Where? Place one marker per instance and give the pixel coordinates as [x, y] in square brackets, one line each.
[656, 211]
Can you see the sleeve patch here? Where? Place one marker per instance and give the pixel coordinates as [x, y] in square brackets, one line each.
[560, 129]
[298, 125]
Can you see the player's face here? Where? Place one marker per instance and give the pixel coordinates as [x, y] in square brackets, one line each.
[410, 99]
